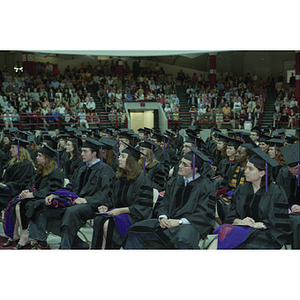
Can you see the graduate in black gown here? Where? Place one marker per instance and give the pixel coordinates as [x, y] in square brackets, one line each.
[289, 179]
[91, 186]
[185, 215]
[153, 168]
[48, 179]
[18, 172]
[109, 152]
[258, 216]
[73, 159]
[133, 202]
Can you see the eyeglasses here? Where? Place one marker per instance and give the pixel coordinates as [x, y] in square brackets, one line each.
[185, 165]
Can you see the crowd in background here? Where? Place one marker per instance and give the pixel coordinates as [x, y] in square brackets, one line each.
[66, 98]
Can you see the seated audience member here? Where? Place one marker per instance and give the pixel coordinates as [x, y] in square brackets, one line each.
[90, 187]
[133, 201]
[258, 216]
[18, 172]
[154, 169]
[288, 176]
[82, 118]
[48, 179]
[73, 160]
[186, 213]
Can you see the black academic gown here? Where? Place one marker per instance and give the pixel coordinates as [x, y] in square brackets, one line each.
[224, 166]
[157, 176]
[195, 202]
[284, 179]
[43, 186]
[96, 186]
[164, 158]
[70, 165]
[16, 178]
[137, 196]
[270, 207]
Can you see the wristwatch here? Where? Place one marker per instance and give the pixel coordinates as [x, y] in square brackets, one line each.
[180, 222]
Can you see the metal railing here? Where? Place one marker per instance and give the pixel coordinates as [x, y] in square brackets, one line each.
[236, 121]
[35, 121]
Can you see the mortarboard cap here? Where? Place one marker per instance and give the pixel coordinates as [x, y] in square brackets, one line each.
[92, 144]
[107, 143]
[196, 157]
[20, 142]
[263, 161]
[45, 149]
[264, 138]
[136, 154]
[157, 136]
[256, 129]
[291, 154]
[234, 143]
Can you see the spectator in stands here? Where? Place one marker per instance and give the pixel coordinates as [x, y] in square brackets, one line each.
[284, 118]
[168, 111]
[293, 103]
[276, 116]
[82, 118]
[219, 116]
[128, 96]
[61, 109]
[9, 108]
[226, 110]
[7, 118]
[252, 102]
[55, 84]
[91, 106]
[292, 119]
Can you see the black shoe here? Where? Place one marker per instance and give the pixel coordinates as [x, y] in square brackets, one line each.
[20, 247]
[10, 243]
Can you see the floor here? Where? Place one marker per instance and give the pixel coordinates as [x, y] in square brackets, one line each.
[85, 233]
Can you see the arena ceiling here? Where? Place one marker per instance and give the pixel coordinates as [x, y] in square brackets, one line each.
[126, 53]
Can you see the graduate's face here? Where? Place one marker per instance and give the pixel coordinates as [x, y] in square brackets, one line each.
[220, 145]
[185, 148]
[185, 168]
[41, 159]
[294, 170]
[62, 142]
[252, 173]
[241, 155]
[141, 135]
[87, 155]
[263, 146]
[271, 152]
[122, 160]
[69, 147]
[230, 151]
[254, 136]
[6, 140]
[14, 150]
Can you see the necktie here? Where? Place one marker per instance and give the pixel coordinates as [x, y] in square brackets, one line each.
[185, 181]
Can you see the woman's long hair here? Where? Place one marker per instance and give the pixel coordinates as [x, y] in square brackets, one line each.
[279, 157]
[50, 165]
[223, 151]
[74, 152]
[34, 147]
[24, 155]
[110, 156]
[148, 159]
[132, 170]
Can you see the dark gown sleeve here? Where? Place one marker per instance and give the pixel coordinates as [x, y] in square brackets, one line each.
[157, 176]
[99, 188]
[19, 177]
[50, 183]
[140, 198]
